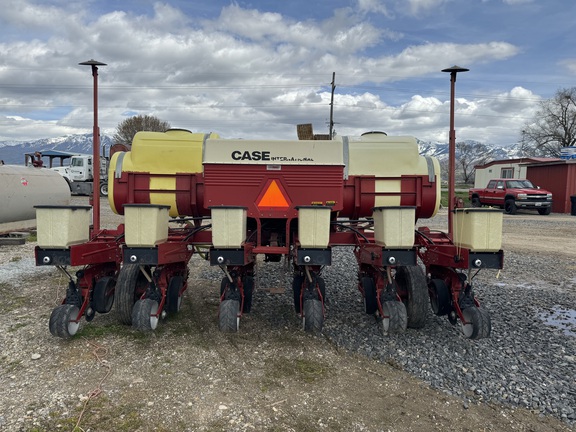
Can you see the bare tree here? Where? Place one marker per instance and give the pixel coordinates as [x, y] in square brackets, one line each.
[468, 155]
[126, 129]
[553, 127]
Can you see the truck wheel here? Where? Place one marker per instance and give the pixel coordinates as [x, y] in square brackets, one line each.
[545, 211]
[104, 188]
[510, 207]
[475, 201]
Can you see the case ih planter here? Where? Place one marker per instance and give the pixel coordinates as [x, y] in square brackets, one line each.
[280, 199]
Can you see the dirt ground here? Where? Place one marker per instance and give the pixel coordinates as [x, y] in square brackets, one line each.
[187, 376]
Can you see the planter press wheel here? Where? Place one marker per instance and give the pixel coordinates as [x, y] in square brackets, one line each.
[478, 324]
[313, 297]
[144, 315]
[395, 319]
[370, 300]
[411, 281]
[439, 297]
[487, 322]
[229, 316]
[313, 316]
[174, 300]
[130, 286]
[103, 294]
[62, 323]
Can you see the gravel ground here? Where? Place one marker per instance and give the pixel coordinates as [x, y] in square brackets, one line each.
[530, 359]
[525, 363]
[272, 376]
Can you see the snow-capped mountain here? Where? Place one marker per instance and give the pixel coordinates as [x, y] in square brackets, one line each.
[13, 152]
[440, 150]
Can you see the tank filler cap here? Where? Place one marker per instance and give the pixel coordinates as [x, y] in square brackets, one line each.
[46, 260]
[133, 258]
[176, 130]
[478, 263]
[307, 259]
[220, 260]
[374, 133]
[392, 260]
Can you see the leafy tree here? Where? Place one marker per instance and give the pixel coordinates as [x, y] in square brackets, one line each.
[127, 128]
[553, 127]
[468, 155]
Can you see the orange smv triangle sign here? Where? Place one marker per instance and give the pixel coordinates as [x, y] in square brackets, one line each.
[273, 197]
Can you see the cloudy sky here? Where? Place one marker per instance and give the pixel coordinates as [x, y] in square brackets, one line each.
[255, 69]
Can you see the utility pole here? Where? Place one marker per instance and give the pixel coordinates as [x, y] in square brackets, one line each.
[452, 149]
[332, 105]
[95, 150]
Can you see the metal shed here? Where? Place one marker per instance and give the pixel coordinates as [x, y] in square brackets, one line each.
[559, 177]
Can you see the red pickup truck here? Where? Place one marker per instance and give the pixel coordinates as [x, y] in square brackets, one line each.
[511, 195]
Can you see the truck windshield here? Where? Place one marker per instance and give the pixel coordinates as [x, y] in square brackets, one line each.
[516, 184]
[77, 162]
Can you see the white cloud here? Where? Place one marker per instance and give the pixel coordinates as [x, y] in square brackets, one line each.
[419, 6]
[17, 127]
[341, 33]
[373, 6]
[245, 73]
[35, 16]
[420, 60]
[569, 64]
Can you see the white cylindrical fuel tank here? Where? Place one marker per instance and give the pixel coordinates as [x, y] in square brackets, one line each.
[22, 188]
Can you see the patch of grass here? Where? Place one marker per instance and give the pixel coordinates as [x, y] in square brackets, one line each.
[194, 322]
[310, 370]
[94, 331]
[217, 425]
[99, 330]
[16, 326]
[33, 237]
[303, 370]
[10, 365]
[16, 259]
[102, 414]
[13, 303]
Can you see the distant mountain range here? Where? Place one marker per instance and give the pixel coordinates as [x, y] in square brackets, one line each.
[12, 152]
[440, 150]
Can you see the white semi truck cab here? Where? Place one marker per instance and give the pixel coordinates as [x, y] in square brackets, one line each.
[80, 174]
